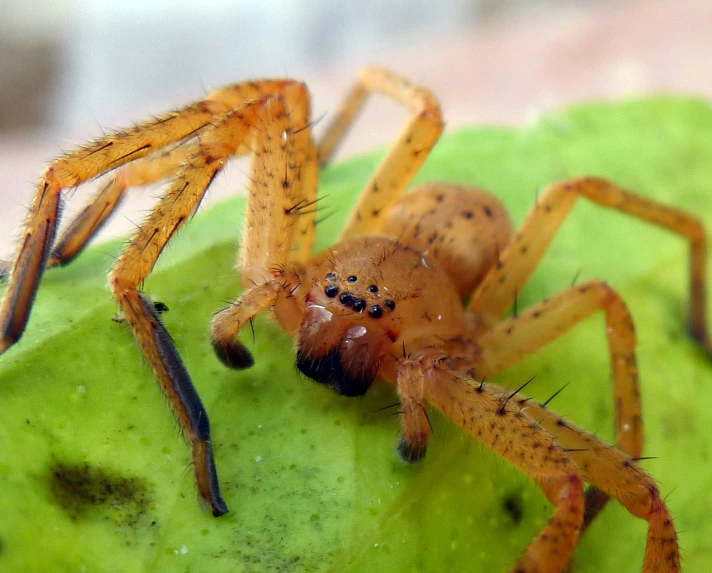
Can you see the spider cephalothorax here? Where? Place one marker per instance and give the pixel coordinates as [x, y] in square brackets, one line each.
[367, 296]
[385, 302]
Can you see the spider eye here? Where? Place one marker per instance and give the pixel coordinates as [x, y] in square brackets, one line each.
[346, 299]
[330, 276]
[359, 305]
[352, 278]
[389, 304]
[331, 290]
[372, 288]
[375, 311]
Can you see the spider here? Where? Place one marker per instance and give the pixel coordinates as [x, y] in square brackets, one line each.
[385, 302]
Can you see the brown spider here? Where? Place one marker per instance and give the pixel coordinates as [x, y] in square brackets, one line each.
[385, 301]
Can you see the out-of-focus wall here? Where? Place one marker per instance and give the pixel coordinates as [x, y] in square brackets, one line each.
[31, 36]
[62, 61]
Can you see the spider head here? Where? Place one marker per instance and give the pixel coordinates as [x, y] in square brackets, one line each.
[340, 352]
[363, 295]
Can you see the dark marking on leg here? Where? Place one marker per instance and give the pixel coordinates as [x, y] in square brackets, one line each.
[32, 262]
[100, 148]
[233, 354]
[197, 416]
[410, 454]
[64, 251]
[130, 153]
[595, 502]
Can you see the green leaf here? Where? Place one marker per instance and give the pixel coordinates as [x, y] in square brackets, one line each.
[94, 475]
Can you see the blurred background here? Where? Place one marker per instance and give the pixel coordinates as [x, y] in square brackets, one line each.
[72, 69]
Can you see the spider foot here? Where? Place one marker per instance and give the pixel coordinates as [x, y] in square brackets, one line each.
[700, 335]
[205, 473]
[411, 453]
[218, 506]
[233, 354]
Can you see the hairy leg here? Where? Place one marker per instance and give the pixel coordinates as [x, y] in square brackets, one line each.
[279, 229]
[227, 323]
[552, 451]
[410, 384]
[405, 156]
[91, 219]
[268, 126]
[95, 158]
[517, 438]
[518, 337]
[498, 289]
[615, 474]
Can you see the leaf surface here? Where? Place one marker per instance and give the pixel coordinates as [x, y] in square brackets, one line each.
[94, 475]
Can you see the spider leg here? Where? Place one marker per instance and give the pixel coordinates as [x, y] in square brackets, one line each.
[305, 160]
[279, 228]
[88, 161]
[405, 156]
[518, 260]
[266, 122]
[552, 451]
[415, 425]
[615, 474]
[227, 324]
[510, 433]
[90, 220]
[518, 337]
[273, 208]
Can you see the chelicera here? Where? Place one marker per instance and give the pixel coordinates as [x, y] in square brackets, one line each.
[384, 302]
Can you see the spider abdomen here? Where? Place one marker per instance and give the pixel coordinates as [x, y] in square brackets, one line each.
[462, 227]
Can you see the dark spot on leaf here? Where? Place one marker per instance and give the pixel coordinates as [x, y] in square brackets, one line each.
[85, 492]
[513, 505]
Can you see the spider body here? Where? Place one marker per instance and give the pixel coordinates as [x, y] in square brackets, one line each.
[464, 228]
[386, 301]
[360, 330]
[354, 307]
